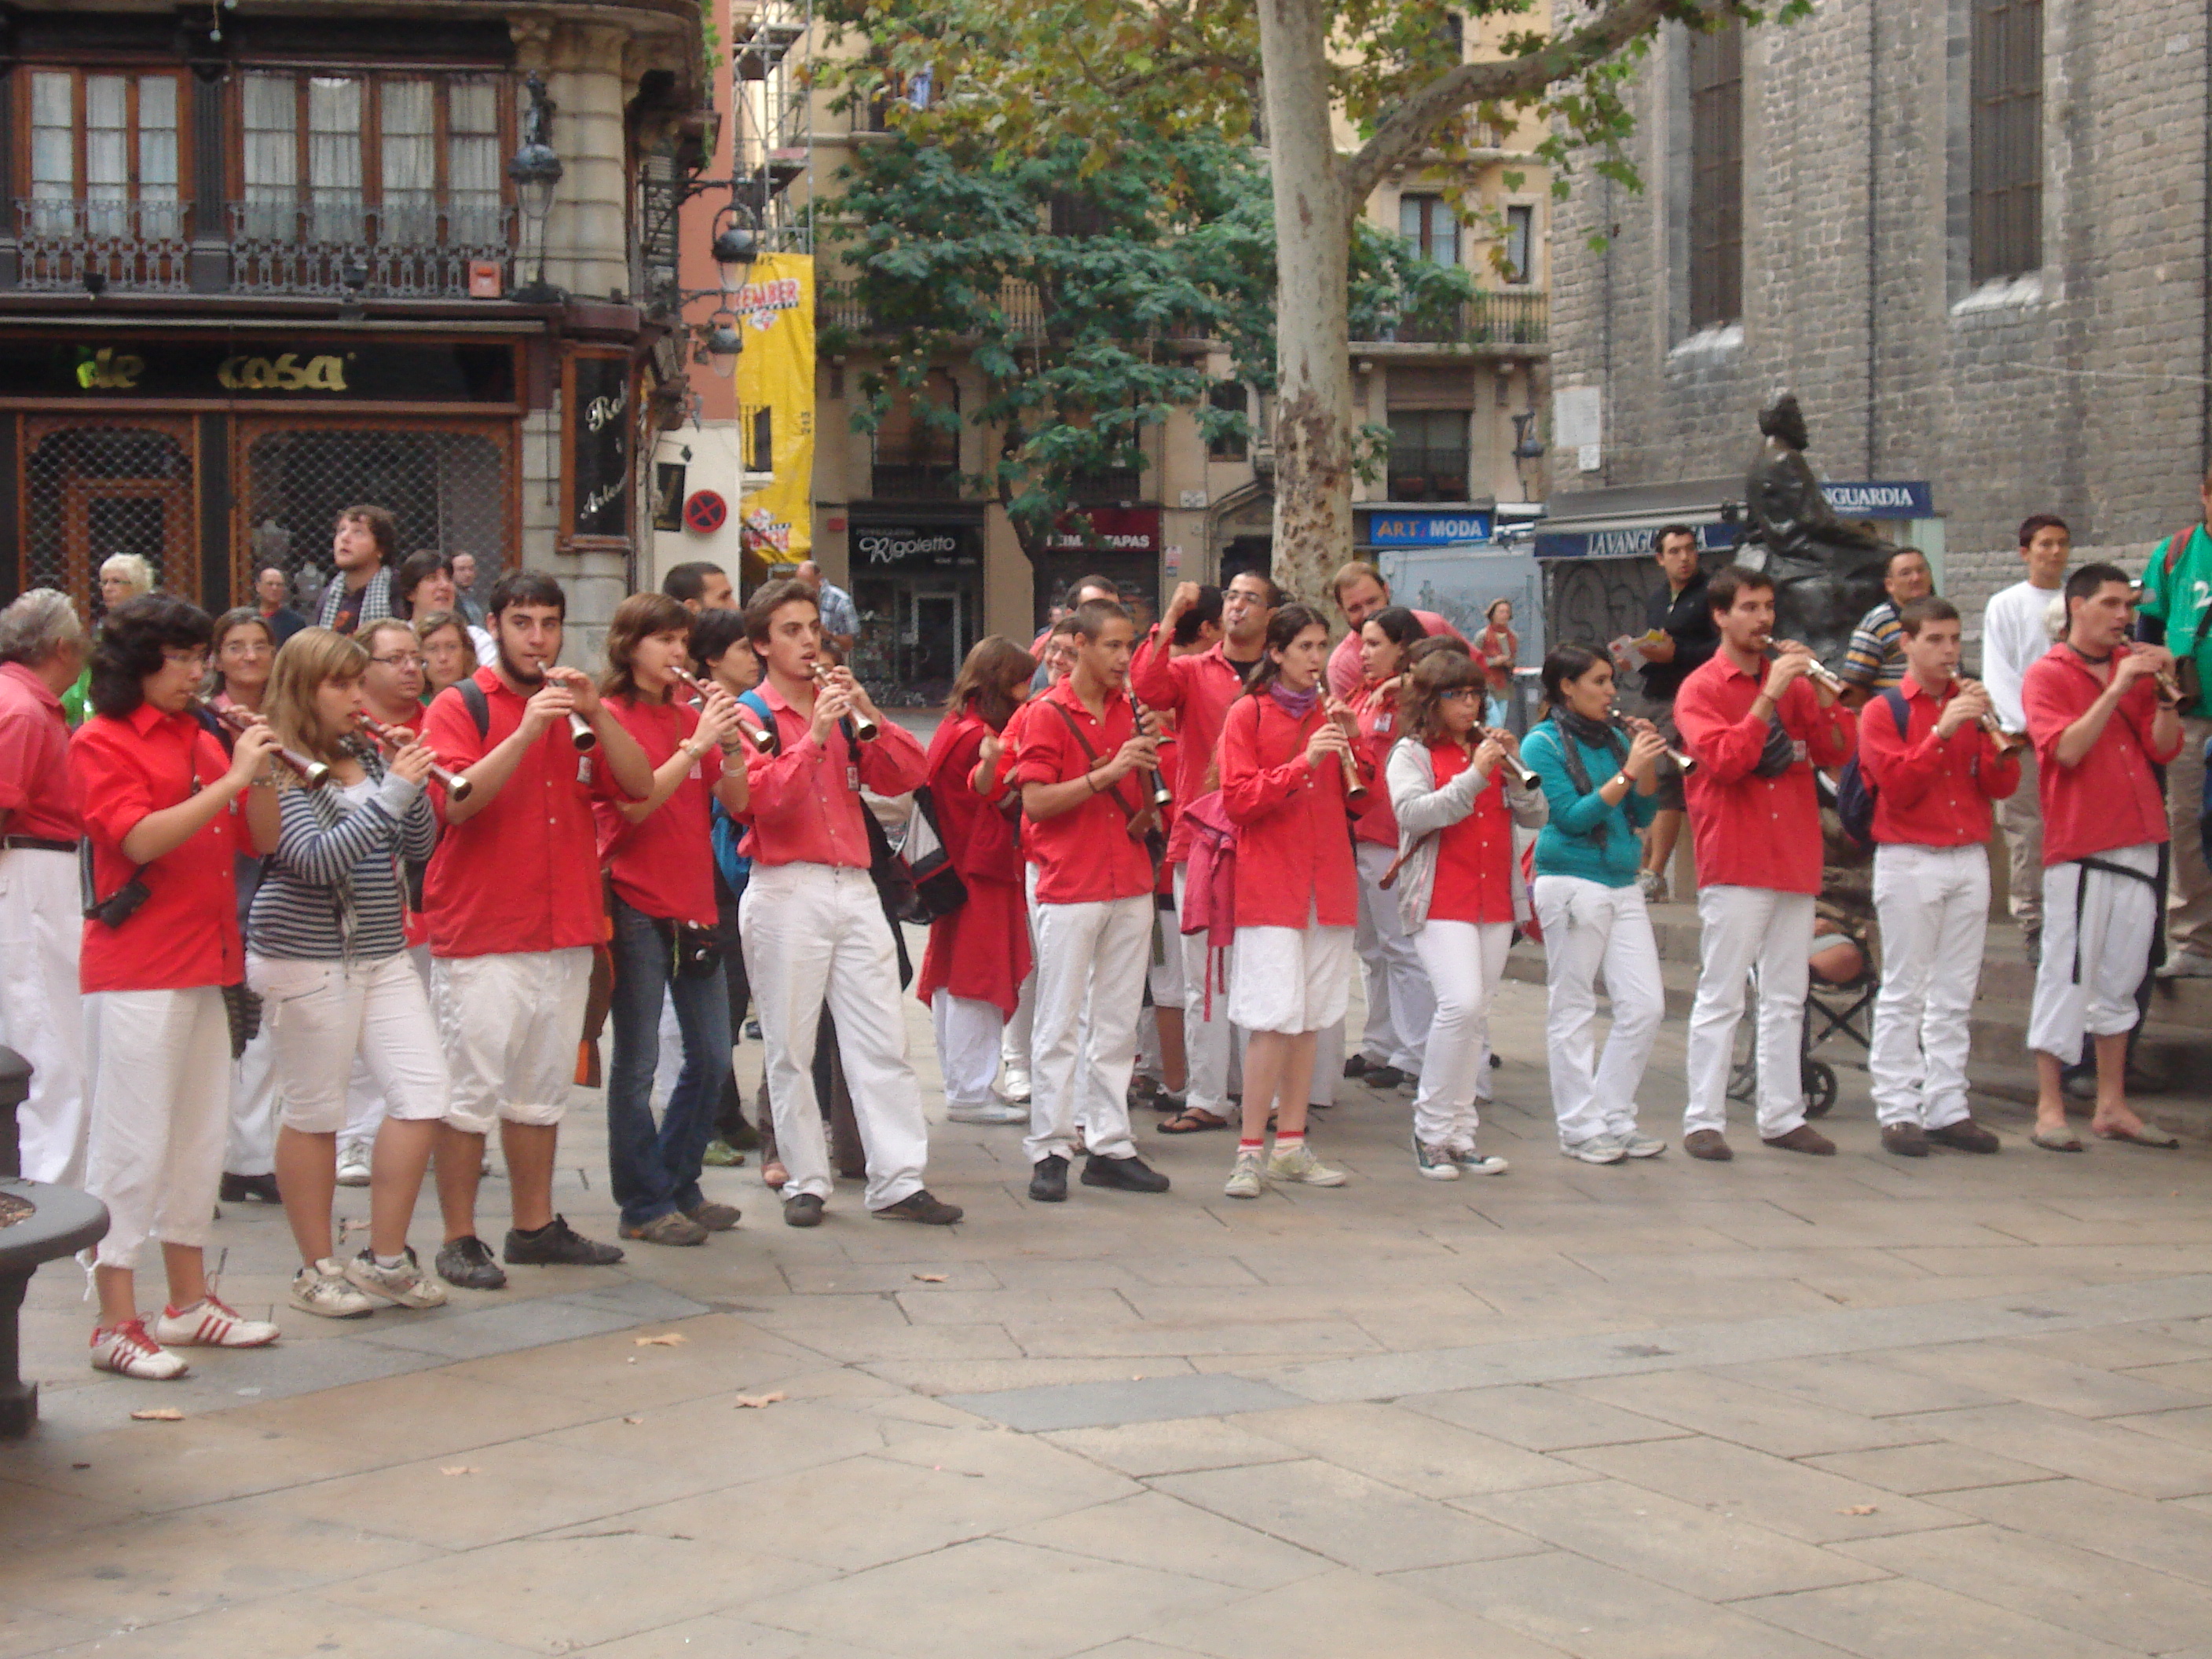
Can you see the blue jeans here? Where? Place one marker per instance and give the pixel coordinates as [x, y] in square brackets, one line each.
[656, 1170]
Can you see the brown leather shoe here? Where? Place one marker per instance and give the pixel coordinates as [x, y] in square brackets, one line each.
[1966, 1136]
[1905, 1139]
[1707, 1144]
[1803, 1138]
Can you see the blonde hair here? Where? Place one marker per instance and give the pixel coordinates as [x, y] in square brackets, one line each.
[306, 662]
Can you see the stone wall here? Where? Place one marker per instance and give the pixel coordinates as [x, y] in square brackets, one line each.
[2079, 389]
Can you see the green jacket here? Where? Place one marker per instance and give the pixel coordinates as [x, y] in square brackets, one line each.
[2182, 600]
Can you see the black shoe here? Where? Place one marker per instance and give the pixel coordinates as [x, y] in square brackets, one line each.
[752, 1030]
[1048, 1179]
[802, 1210]
[2031, 939]
[556, 1244]
[741, 1137]
[1130, 1175]
[1358, 1066]
[467, 1262]
[237, 1189]
[1383, 1076]
[1905, 1139]
[922, 1207]
[1497, 1060]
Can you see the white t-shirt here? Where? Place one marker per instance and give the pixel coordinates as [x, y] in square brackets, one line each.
[2013, 639]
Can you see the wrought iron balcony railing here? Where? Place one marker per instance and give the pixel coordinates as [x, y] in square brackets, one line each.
[1489, 319]
[1427, 475]
[321, 244]
[894, 481]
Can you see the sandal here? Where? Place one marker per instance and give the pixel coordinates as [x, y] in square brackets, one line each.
[1192, 1120]
[2056, 1140]
[2144, 1137]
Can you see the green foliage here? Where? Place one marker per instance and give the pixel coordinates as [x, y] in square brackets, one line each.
[1088, 300]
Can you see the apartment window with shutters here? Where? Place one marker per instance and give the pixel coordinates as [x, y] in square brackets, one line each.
[1520, 243]
[2007, 53]
[106, 155]
[1231, 398]
[1429, 228]
[1715, 217]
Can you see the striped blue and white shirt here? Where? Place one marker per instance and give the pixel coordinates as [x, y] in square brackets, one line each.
[336, 888]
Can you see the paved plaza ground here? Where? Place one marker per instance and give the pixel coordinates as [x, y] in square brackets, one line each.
[1779, 1408]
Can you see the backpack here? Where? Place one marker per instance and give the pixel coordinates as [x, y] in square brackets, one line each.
[1856, 793]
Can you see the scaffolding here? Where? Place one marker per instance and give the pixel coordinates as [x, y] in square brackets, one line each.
[773, 94]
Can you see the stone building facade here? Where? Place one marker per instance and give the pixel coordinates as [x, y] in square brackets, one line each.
[1971, 235]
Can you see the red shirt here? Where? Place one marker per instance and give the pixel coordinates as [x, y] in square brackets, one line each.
[185, 935]
[1086, 855]
[1475, 857]
[1344, 670]
[806, 804]
[1378, 730]
[523, 873]
[2111, 799]
[1293, 846]
[1752, 831]
[664, 866]
[35, 791]
[1198, 690]
[1934, 792]
[981, 841]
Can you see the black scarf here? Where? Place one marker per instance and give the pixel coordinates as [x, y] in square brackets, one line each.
[1575, 731]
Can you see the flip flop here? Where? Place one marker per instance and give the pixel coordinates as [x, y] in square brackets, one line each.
[2056, 1140]
[1192, 1121]
[2140, 1138]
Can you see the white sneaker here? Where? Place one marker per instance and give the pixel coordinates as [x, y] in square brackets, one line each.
[1471, 1161]
[322, 1290]
[127, 1350]
[2187, 964]
[1635, 1144]
[989, 1111]
[1244, 1181]
[1434, 1162]
[407, 1285]
[1016, 1087]
[1653, 885]
[1598, 1149]
[353, 1164]
[211, 1323]
[1299, 1164]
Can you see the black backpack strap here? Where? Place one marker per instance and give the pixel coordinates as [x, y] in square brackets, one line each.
[479, 706]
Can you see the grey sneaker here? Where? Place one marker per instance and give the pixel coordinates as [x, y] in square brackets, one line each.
[989, 1111]
[406, 1285]
[1434, 1162]
[322, 1290]
[1244, 1181]
[1635, 1144]
[1598, 1149]
[1471, 1161]
[1653, 885]
[1299, 1164]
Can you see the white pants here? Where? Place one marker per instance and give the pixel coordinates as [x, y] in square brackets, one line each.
[1091, 976]
[160, 1083]
[1591, 928]
[510, 1024]
[324, 1016]
[2116, 918]
[41, 1007]
[251, 1146]
[816, 933]
[1399, 1003]
[968, 1032]
[1934, 904]
[1748, 927]
[1464, 960]
[2020, 814]
[1207, 1044]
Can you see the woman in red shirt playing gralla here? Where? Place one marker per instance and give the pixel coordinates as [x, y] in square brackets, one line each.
[167, 814]
[1289, 775]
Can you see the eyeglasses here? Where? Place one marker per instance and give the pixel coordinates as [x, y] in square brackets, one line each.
[408, 661]
[195, 661]
[1458, 693]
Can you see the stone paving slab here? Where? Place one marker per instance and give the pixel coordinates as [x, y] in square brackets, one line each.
[1785, 1409]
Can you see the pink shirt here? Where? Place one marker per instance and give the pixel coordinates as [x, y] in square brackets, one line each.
[1344, 675]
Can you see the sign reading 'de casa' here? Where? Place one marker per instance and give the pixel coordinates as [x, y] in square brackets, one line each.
[245, 369]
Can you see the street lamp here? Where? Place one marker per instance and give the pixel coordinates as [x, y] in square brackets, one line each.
[723, 343]
[735, 248]
[534, 170]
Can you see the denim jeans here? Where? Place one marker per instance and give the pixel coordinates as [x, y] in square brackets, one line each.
[656, 1170]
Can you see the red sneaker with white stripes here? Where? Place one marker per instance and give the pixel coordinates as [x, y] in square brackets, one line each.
[211, 1323]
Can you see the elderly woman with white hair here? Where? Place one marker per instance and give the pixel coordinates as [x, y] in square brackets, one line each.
[123, 577]
[42, 649]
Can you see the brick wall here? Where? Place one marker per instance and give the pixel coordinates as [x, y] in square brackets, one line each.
[2078, 390]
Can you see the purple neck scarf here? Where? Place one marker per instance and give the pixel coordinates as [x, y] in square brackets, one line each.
[1297, 704]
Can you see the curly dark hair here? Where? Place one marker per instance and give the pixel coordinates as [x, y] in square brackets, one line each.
[129, 644]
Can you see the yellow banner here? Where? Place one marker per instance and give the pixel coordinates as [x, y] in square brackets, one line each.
[776, 373]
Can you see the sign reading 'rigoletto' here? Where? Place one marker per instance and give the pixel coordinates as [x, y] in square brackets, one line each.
[248, 369]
